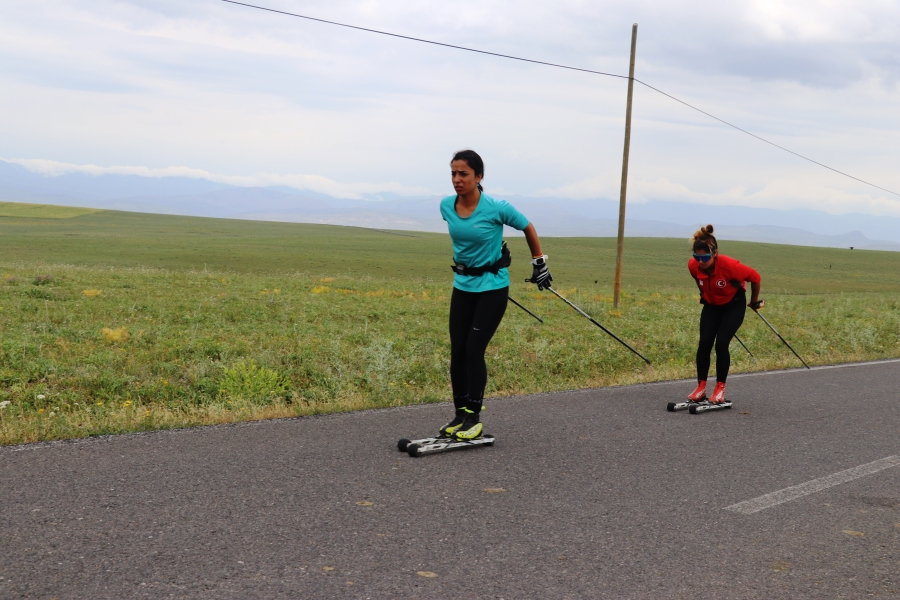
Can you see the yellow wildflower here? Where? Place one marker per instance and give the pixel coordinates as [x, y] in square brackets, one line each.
[92, 293]
[319, 289]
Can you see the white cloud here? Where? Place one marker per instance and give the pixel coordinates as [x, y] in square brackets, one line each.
[815, 20]
[231, 91]
[777, 194]
[53, 168]
[316, 183]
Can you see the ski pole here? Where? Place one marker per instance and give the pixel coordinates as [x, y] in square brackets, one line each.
[525, 309]
[588, 317]
[745, 347]
[780, 338]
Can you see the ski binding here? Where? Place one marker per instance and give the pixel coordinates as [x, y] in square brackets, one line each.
[433, 445]
[699, 407]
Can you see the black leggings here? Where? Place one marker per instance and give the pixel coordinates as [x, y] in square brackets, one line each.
[718, 324]
[474, 317]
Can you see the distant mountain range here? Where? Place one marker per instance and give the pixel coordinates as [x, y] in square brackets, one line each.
[551, 216]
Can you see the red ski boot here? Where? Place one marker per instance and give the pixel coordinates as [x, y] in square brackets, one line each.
[718, 396]
[698, 395]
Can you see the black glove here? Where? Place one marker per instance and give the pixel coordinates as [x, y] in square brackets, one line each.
[540, 273]
[757, 305]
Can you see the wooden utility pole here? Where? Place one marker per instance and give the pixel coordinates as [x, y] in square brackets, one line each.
[620, 243]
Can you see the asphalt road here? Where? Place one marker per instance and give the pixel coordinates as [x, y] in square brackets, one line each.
[605, 495]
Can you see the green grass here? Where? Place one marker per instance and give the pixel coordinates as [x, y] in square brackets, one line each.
[43, 211]
[189, 321]
[111, 238]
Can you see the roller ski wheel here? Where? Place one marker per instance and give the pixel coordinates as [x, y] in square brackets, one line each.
[702, 407]
[434, 445]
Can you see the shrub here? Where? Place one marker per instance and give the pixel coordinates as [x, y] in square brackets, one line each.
[43, 294]
[250, 382]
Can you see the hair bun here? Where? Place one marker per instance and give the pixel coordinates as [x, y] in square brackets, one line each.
[704, 239]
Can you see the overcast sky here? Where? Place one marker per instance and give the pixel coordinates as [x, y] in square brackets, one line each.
[205, 88]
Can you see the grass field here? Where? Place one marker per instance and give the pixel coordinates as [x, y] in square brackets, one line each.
[43, 211]
[121, 321]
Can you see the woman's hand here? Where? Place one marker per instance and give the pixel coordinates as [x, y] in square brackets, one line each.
[755, 302]
[540, 273]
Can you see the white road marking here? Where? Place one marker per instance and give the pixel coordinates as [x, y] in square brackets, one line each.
[748, 507]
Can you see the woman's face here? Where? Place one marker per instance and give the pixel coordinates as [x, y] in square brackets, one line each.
[464, 178]
[709, 263]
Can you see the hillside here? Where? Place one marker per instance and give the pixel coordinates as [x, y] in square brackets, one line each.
[114, 238]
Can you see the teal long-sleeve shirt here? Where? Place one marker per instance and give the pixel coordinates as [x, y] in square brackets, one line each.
[478, 240]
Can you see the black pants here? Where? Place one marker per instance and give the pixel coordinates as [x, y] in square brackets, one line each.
[718, 324]
[474, 317]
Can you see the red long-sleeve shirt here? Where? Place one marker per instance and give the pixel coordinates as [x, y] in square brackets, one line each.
[717, 287]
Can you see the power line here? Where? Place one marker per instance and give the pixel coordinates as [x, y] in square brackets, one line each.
[764, 139]
[415, 39]
[559, 66]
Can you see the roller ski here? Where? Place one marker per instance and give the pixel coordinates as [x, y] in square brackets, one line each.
[464, 431]
[695, 398]
[716, 402]
[417, 448]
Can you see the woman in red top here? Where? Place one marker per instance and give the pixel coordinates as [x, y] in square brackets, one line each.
[721, 280]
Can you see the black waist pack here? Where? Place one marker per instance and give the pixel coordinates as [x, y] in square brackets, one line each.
[504, 261]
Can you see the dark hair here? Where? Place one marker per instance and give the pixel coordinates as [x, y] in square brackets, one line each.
[704, 239]
[473, 160]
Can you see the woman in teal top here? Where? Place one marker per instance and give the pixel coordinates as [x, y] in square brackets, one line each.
[480, 285]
